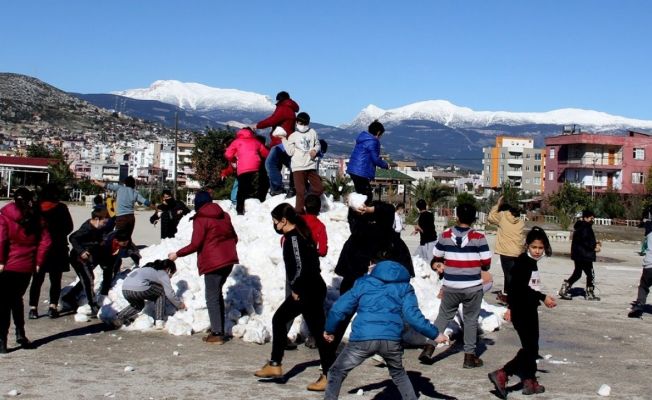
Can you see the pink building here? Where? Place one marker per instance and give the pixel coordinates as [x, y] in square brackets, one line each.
[598, 162]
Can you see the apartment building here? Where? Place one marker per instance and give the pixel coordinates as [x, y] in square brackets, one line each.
[514, 160]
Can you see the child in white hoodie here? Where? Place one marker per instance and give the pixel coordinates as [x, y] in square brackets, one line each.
[303, 146]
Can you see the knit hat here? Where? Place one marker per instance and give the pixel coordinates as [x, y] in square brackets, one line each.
[303, 118]
[202, 198]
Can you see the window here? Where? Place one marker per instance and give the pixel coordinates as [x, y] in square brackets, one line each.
[502, 155]
[536, 181]
[537, 156]
[537, 168]
[639, 154]
[577, 175]
[551, 175]
[527, 168]
[551, 154]
[637, 177]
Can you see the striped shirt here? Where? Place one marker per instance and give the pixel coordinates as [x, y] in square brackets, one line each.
[465, 253]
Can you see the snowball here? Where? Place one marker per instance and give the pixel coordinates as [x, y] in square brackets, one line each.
[605, 390]
[129, 368]
[356, 200]
[13, 393]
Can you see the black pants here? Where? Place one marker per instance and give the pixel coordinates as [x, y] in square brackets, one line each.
[587, 267]
[109, 272]
[86, 282]
[125, 223]
[362, 186]
[507, 263]
[37, 282]
[13, 286]
[263, 183]
[644, 285]
[526, 324]
[137, 299]
[311, 307]
[245, 190]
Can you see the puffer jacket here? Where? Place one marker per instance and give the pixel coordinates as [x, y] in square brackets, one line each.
[583, 243]
[20, 252]
[510, 239]
[247, 151]
[213, 238]
[366, 156]
[383, 300]
[284, 116]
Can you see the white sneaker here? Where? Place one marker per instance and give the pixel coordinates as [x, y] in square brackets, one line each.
[159, 324]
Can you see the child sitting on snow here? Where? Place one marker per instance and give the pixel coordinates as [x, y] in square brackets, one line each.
[151, 282]
[384, 299]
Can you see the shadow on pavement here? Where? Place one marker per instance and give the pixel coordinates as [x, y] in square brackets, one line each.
[422, 385]
[88, 329]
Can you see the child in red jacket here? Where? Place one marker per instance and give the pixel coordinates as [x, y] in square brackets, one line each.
[248, 152]
[317, 228]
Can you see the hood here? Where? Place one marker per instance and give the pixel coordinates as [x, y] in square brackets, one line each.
[581, 225]
[12, 212]
[365, 137]
[289, 103]
[212, 210]
[244, 134]
[390, 271]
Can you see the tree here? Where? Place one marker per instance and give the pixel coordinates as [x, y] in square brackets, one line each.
[208, 156]
[39, 150]
[567, 202]
[338, 186]
[59, 168]
[466, 198]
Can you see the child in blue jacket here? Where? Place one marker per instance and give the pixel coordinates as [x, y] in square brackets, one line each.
[383, 300]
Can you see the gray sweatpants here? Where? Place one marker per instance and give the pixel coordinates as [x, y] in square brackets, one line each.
[471, 304]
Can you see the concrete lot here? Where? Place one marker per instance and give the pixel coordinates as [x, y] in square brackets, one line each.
[589, 343]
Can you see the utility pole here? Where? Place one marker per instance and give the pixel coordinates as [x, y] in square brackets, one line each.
[176, 144]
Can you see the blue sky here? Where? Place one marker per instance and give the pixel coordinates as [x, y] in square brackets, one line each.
[336, 57]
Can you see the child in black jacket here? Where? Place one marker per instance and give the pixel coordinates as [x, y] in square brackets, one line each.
[524, 299]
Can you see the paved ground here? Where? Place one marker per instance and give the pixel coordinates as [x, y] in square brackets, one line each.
[590, 343]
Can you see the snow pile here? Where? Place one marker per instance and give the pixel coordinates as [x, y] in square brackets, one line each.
[256, 287]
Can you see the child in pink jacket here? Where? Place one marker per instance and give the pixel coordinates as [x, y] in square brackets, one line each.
[249, 153]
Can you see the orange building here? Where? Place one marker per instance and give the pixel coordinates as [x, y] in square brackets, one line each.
[514, 160]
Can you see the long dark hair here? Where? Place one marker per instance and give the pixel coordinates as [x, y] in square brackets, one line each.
[284, 210]
[537, 233]
[30, 219]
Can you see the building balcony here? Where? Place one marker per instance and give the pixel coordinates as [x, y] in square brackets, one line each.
[515, 173]
[515, 161]
[589, 164]
[515, 149]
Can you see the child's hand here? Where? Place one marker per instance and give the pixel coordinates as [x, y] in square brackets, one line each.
[182, 306]
[295, 296]
[172, 256]
[441, 338]
[329, 337]
[550, 302]
[313, 154]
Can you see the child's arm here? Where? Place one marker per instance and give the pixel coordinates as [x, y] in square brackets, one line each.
[196, 243]
[519, 288]
[322, 241]
[343, 307]
[169, 292]
[413, 316]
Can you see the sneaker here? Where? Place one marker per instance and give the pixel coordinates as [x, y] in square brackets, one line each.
[590, 294]
[271, 369]
[426, 354]
[531, 386]
[311, 343]
[499, 379]
[501, 298]
[214, 338]
[564, 291]
[319, 385]
[53, 312]
[95, 309]
[33, 313]
[637, 310]
[159, 324]
[276, 192]
[291, 193]
[472, 361]
[22, 340]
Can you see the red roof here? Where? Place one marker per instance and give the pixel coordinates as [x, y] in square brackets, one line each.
[34, 162]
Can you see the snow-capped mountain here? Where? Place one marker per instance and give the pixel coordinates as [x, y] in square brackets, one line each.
[449, 114]
[198, 97]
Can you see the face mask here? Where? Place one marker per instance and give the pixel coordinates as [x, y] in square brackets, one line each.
[533, 257]
[302, 128]
[279, 231]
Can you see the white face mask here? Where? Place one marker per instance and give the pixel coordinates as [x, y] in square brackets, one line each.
[302, 128]
[533, 257]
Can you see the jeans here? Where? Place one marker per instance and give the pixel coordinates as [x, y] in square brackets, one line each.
[471, 304]
[356, 352]
[507, 263]
[215, 299]
[234, 192]
[137, 299]
[276, 159]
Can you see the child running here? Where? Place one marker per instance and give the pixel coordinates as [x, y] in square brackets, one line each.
[151, 282]
[308, 291]
[524, 299]
[383, 300]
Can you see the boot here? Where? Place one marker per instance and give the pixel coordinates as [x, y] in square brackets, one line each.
[33, 313]
[53, 313]
[590, 294]
[472, 361]
[564, 292]
[637, 310]
[426, 354]
[531, 386]
[319, 385]
[272, 369]
[290, 345]
[22, 340]
[499, 378]
[214, 338]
